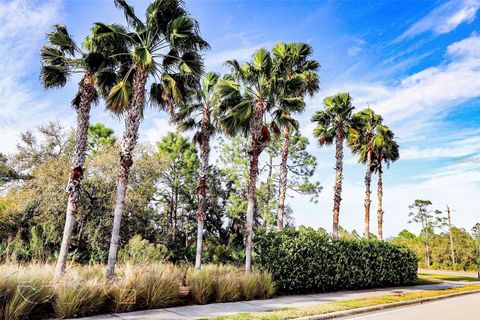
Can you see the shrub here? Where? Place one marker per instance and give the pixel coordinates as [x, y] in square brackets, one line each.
[306, 260]
[139, 250]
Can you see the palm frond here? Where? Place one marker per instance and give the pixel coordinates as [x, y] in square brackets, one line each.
[52, 56]
[129, 13]
[118, 99]
[61, 38]
[53, 76]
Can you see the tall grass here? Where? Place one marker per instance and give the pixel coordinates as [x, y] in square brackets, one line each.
[29, 291]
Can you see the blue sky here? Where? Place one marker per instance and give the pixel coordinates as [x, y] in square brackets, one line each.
[415, 62]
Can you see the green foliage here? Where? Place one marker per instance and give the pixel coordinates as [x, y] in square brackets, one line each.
[7, 172]
[306, 260]
[32, 212]
[439, 248]
[139, 250]
[335, 119]
[99, 137]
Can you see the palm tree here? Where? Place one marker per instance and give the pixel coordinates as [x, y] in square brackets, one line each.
[201, 116]
[362, 137]
[291, 60]
[255, 86]
[332, 125]
[61, 57]
[385, 149]
[165, 47]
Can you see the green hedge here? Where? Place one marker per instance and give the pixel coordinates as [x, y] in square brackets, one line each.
[306, 260]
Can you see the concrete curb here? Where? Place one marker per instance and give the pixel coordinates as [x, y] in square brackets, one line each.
[352, 312]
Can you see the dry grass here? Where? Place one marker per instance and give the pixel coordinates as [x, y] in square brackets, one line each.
[29, 290]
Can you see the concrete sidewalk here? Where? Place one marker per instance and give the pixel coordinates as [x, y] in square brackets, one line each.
[221, 309]
[469, 274]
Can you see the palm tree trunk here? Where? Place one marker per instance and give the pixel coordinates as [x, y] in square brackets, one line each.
[368, 180]
[266, 207]
[283, 178]
[257, 147]
[337, 197]
[74, 188]
[380, 199]
[133, 118]
[202, 188]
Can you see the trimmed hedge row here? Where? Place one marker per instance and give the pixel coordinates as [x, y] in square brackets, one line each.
[306, 260]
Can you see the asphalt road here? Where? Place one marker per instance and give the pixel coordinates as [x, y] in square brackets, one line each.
[460, 308]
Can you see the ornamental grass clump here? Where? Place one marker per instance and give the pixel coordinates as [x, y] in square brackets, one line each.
[158, 286]
[25, 291]
[30, 291]
[77, 298]
[202, 285]
[227, 287]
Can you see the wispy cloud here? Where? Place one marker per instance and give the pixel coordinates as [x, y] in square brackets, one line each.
[444, 18]
[455, 149]
[429, 91]
[23, 25]
[216, 60]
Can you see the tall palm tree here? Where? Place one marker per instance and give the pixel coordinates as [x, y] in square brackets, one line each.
[256, 85]
[201, 115]
[362, 137]
[61, 57]
[332, 125]
[165, 48]
[385, 149]
[291, 60]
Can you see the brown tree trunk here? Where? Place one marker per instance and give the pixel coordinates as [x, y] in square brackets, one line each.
[266, 207]
[380, 199]
[202, 186]
[368, 180]
[337, 197]
[133, 119]
[74, 187]
[283, 178]
[257, 147]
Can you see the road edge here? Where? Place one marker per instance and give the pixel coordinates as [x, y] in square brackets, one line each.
[352, 312]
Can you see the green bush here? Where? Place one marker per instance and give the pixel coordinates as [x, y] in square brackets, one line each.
[306, 260]
[139, 250]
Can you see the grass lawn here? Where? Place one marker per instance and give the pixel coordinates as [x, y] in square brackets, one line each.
[435, 278]
[290, 313]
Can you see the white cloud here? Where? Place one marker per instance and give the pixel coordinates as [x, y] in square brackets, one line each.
[415, 107]
[429, 91]
[23, 25]
[160, 127]
[353, 51]
[444, 18]
[455, 149]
